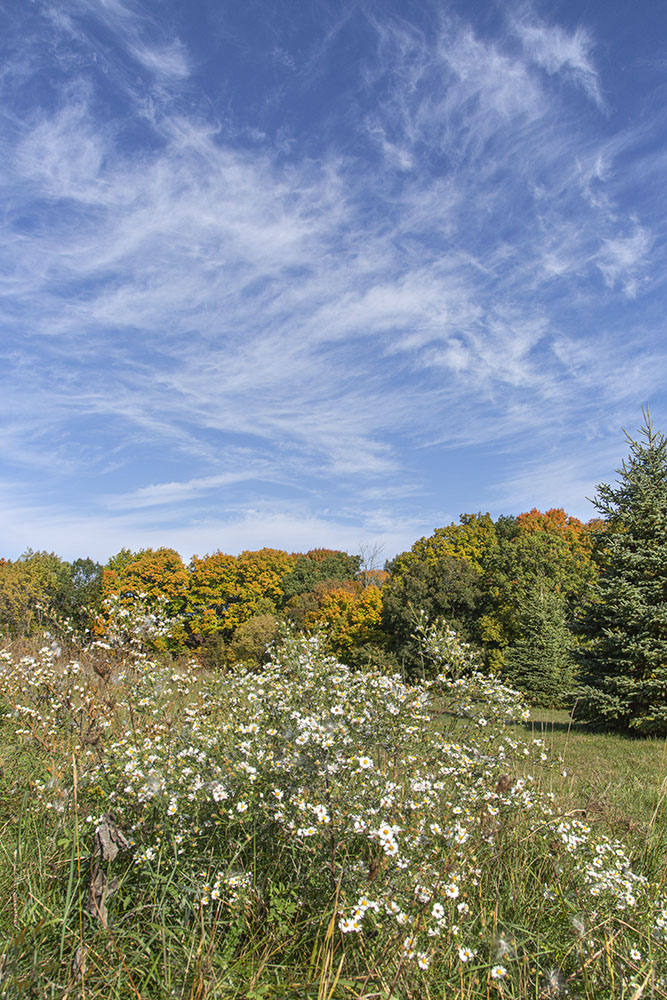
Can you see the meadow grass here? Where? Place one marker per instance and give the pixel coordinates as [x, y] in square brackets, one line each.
[619, 783]
[308, 831]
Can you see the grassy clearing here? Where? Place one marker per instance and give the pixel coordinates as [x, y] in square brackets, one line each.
[618, 783]
[313, 832]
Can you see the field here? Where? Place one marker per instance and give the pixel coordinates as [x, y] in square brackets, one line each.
[307, 831]
[619, 783]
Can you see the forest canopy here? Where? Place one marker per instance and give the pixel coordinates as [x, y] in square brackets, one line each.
[479, 575]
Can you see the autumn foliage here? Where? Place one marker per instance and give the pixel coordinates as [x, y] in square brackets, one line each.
[479, 575]
[350, 617]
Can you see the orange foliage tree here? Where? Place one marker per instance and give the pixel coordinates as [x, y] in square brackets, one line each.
[151, 572]
[153, 577]
[556, 521]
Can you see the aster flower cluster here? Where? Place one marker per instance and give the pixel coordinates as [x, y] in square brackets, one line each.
[394, 808]
[134, 625]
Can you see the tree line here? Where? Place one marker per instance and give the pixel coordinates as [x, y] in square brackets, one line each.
[483, 576]
[566, 611]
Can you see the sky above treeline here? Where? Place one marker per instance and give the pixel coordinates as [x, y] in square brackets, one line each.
[323, 273]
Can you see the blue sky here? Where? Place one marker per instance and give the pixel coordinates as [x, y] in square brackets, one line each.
[326, 273]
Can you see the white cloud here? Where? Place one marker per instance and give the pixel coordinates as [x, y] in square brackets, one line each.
[333, 308]
[168, 60]
[489, 78]
[558, 51]
[70, 535]
[61, 157]
[620, 259]
[176, 493]
[453, 93]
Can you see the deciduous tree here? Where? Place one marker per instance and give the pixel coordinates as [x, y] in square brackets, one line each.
[213, 588]
[350, 619]
[317, 566]
[29, 587]
[441, 576]
[153, 577]
[226, 591]
[80, 594]
[533, 548]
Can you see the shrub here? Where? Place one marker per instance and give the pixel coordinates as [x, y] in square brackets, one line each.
[382, 836]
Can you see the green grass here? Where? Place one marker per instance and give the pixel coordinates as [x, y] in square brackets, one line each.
[616, 782]
[279, 942]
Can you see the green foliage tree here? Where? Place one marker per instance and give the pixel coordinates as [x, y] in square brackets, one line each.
[524, 560]
[478, 575]
[120, 560]
[80, 594]
[624, 627]
[447, 588]
[539, 662]
[442, 576]
[318, 566]
[252, 640]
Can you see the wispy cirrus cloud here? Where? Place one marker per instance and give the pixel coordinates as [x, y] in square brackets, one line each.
[168, 61]
[621, 258]
[558, 51]
[204, 311]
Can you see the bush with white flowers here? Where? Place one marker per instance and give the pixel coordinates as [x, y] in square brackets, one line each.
[403, 816]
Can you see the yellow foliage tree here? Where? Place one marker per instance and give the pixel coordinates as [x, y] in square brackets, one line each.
[27, 588]
[350, 618]
[226, 591]
[471, 540]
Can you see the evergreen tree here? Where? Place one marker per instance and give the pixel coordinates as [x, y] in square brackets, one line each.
[624, 628]
[539, 661]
